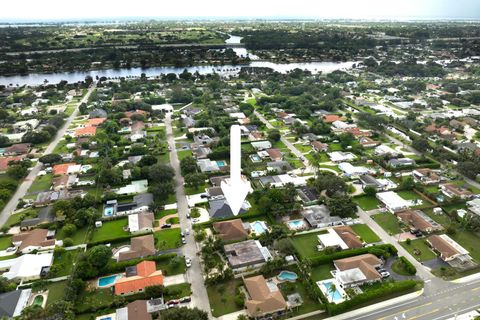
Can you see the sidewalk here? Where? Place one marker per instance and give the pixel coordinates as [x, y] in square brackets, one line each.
[231, 316]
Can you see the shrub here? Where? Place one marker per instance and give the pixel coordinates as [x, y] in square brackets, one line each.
[67, 242]
[385, 251]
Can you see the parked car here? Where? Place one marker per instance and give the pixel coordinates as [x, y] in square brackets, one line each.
[182, 234]
[11, 249]
[188, 215]
[188, 262]
[187, 232]
[385, 274]
[166, 226]
[184, 241]
[185, 299]
[172, 303]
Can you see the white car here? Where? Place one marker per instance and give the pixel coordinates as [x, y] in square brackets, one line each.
[385, 274]
[187, 232]
[188, 262]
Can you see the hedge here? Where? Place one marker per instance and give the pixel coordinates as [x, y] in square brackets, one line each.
[409, 267]
[389, 288]
[376, 250]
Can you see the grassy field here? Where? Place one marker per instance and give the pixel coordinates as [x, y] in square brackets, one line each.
[183, 154]
[367, 203]
[56, 291]
[110, 230]
[306, 244]
[364, 232]
[388, 222]
[168, 239]
[424, 253]
[190, 190]
[222, 297]
[469, 240]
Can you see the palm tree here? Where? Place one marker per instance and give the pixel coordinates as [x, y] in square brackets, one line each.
[332, 289]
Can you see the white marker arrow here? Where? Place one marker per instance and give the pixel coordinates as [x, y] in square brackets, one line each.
[236, 188]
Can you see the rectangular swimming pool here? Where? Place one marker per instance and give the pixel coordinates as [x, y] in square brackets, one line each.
[221, 163]
[108, 211]
[296, 224]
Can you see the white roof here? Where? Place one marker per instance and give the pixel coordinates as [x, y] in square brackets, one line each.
[332, 239]
[454, 244]
[163, 107]
[350, 276]
[74, 168]
[338, 156]
[349, 169]
[384, 149]
[338, 124]
[26, 266]
[392, 200]
[133, 222]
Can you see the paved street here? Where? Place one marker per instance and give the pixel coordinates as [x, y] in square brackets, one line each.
[194, 273]
[434, 304]
[27, 182]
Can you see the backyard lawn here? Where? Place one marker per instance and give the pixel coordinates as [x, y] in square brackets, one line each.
[306, 244]
[191, 190]
[388, 222]
[183, 154]
[222, 297]
[5, 242]
[367, 203]
[322, 272]
[364, 232]
[79, 237]
[308, 304]
[168, 239]
[419, 249]
[110, 230]
[469, 240]
[41, 183]
[56, 291]
[63, 262]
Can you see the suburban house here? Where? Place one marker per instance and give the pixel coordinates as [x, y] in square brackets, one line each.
[207, 165]
[66, 168]
[261, 145]
[135, 187]
[401, 162]
[17, 149]
[27, 267]
[367, 142]
[372, 182]
[357, 270]
[318, 146]
[339, 156]
[342, 238]
[136, 310]
[63, 182]
[246, 254]
[279, 166]
[417, 220]
[330, 118]
[86, 132]
[352, 171]
[36, 239]
[140, 247]
[474, 206]
[448, 249]
[318, 216]
[140, 222]
[231, 230]
[275, 154]
[5, 162]
[452, 190]
[308, 195]
[426, 176]
[263, 299]
[139, 277]
[392, 201]
[12, 303]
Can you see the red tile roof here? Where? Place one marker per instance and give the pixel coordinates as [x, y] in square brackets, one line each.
[329, 118]
[147, 275]
[4, 161]
[95, 122]
[62, 168]
[87, 131]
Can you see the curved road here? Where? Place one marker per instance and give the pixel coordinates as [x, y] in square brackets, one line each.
[27, 182]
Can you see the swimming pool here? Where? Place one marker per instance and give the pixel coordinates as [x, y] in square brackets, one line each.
[296, 224]
[334, 296]
[108, 211]
[287, 276]
[221, 163]
[259, 227]
[108, 281]
[38, 300]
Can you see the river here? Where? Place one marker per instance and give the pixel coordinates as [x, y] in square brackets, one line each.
[224, 70]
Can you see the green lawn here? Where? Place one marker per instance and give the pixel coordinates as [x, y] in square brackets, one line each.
[110, 230]
[41, 183]
[308, 305]
[399, 268]
[183, 154]
[168, 239]
[388, 222]
[56, 291]
[322, 272]
[469, 240]
[169, 269]
[63, 262]
[222, 297]
[79, 237]
[364, 232]
[423, 252]
[367, 203]
[306, 244]
[5, 242]
[190, 190]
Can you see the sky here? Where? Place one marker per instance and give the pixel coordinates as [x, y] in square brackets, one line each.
[63, 10]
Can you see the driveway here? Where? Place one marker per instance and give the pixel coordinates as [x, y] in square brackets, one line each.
[171, 280]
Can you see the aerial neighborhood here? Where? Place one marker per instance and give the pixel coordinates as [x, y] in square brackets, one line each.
[364, 182]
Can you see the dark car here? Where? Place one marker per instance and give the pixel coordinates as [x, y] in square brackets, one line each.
[166, 226]
[185, 299]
